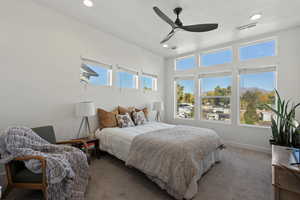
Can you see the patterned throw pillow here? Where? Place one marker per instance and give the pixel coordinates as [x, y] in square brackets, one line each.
[145, 110]
[124, 121]
[138, 117]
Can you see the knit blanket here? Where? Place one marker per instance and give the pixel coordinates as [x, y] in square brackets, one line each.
[66, 166]
[172, 157]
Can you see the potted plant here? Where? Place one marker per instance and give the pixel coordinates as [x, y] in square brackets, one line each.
[285, 128]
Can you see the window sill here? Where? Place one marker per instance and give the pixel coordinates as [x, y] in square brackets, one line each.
[128, 89]
[254, 126]
[148, 91]
[96, 86]
[216, 122]
[184, 119]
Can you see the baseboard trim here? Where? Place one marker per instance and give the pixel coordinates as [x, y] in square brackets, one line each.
[249, 147]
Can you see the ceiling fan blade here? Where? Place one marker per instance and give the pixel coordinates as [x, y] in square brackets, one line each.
[200, 27]
[169, 36]
[164, 17]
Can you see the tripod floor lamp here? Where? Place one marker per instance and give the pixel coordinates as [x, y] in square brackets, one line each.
[85, 110]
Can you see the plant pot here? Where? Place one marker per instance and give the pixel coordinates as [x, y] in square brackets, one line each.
[272, 142]
[297, 141]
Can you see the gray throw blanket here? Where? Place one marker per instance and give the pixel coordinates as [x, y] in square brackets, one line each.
[66, 166]
[172, 157]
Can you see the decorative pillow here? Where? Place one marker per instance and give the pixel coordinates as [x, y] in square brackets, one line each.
[107, 119]
[138, 118]
[123, 111]
[145, 110]
[124, 121]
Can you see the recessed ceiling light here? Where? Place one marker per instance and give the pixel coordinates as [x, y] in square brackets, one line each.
[88, 3]
[256, 16]
[165, 45]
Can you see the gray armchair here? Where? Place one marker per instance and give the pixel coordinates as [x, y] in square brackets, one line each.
[18, 176]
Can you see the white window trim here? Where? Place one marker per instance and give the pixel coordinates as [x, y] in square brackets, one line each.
[92, 61]
[233, 67]
[130, 71]
[259, 70]
[179, 78]
[154, 81]
[215, 75]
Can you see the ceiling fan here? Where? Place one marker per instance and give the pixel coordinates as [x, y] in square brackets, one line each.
[177, 25]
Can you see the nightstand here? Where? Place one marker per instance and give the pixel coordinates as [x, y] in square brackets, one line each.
[93, 146]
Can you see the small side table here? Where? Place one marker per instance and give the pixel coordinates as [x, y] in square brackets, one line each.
[285, 177]
[93, 146]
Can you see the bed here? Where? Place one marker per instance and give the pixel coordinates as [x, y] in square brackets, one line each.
[175, 164]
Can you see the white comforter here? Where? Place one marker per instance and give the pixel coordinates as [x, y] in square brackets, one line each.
[117, 141]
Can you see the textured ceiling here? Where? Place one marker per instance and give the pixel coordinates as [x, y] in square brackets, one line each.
[135, 21]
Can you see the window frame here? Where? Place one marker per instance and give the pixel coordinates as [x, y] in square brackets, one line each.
[214, 51]
[130, 71]
[183, 57]
[252, 43]
[154, 82]
[260, 69]
[180, 78]
[200, 97]
[95, 63]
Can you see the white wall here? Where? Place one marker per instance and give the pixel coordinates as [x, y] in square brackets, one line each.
[40, 53]
[288, 68]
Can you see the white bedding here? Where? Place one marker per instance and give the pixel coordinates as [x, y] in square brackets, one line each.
[117, 141]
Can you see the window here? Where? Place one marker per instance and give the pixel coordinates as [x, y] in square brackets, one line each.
[185, 99]
[96, 74]
[215, 97]
[127, 79]
[258, 50]
[185, 63]
[148, 83]
[216, 58]
[256, 90]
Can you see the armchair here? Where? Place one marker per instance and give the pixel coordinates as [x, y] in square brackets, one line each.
[18, 176]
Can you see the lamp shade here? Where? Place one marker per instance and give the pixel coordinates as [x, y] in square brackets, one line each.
[149, 106]
[85, 109]
[158, 106]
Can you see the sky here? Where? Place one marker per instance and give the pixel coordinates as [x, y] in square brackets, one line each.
[189, 86]
[102, 78]
[265, 81]
[186, 63]
[125, 80]
[146, 82]
[209, 84]
[257, 51]
[216, 58]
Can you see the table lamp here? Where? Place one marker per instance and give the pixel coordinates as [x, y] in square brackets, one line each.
[85, 110]
[158, 107]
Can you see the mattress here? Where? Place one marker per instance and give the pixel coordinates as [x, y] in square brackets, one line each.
[117, 141]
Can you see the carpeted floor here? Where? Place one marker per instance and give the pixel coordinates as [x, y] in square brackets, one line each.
[241, 175]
